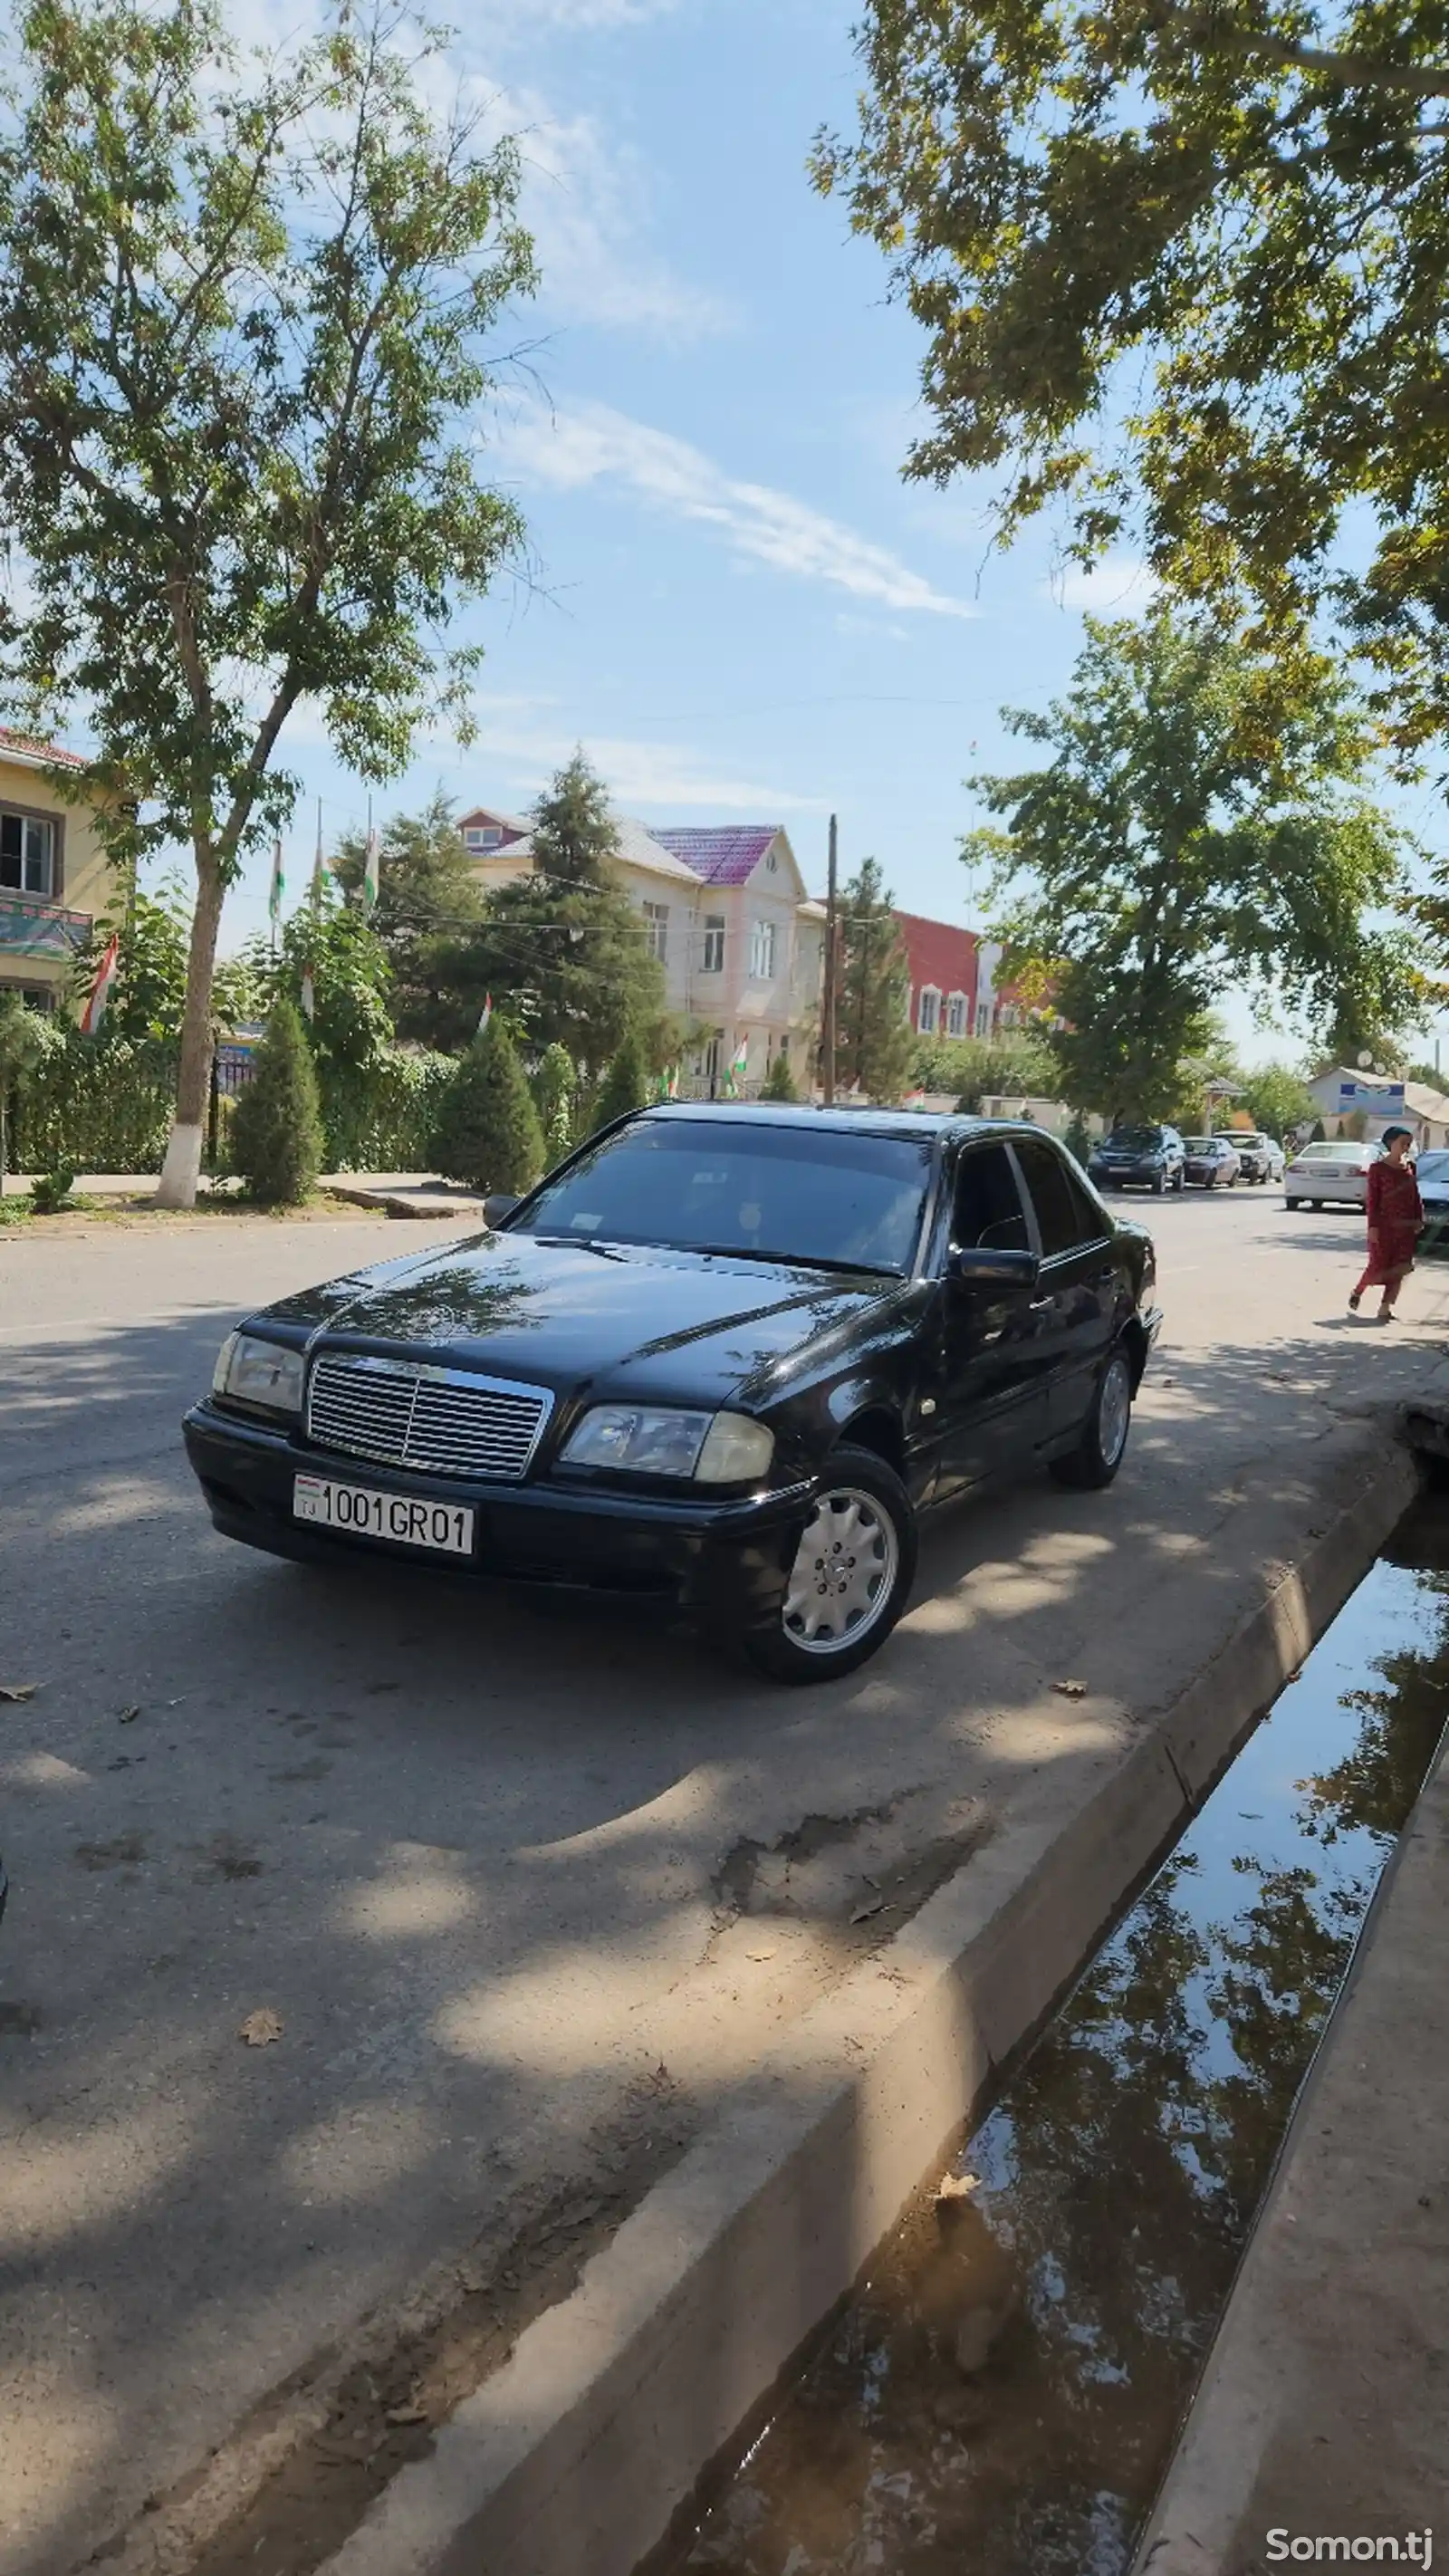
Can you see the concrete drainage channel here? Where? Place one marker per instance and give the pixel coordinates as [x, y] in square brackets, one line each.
[1004, 2389]
[580, 2452]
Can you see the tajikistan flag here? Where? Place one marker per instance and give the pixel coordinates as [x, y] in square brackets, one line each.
[95, 1009]
[372, 871]
[277, 896]
[739, 1068]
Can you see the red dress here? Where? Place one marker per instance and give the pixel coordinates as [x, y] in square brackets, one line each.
[1395, 1216]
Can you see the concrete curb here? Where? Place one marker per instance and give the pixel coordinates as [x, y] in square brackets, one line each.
[574, 2458]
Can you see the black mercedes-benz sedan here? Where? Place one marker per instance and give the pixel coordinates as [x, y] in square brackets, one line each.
[724, 1353]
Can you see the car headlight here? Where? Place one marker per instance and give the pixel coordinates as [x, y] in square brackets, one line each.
[265, 1374]
[639, 1440]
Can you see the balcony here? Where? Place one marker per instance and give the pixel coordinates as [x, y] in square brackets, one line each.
[31, 926]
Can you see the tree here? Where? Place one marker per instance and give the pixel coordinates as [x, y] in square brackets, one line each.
[242, 320]
[564, 946]
[339, 954]
[625, 1086]
[276, 1126]
[1236, 219]
[553, 1098]
[22, 1046]
[976, 1069]
[779, 1082]
[488, 1130]
[1202, 823]
[1276, 1098]
[429, 906]
[873, 1041]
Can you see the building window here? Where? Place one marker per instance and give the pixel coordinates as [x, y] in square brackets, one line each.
[483, 836]
[712, 962]
[929, 1018]
[762, 952]
[983, 1019]
[27, 853]
[656, 918]
[956, 1015]
[36, 997]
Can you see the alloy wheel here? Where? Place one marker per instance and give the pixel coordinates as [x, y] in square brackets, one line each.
[844, 1572]
[1114, 1409]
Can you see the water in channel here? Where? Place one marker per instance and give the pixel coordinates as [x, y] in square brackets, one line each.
[1001, 2396]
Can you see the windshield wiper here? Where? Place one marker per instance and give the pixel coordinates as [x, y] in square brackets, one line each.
[791, 1260]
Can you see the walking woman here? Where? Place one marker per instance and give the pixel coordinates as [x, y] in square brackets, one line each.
[1395, 1222]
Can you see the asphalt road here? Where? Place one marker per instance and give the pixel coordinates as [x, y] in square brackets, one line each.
[493, 1864]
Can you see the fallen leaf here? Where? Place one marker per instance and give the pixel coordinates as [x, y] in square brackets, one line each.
[261, 2028]
[126, 1714]
[869, 1881]
[412, 2413]
[957, 2186]
[863, 1913]
[759, 1954]
[19, 1690]
[1071, 1690]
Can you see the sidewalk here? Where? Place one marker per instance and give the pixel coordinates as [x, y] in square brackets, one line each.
[1324, 2406]
[414, 1194]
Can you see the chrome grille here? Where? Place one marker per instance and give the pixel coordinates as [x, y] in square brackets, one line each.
[446, 1422]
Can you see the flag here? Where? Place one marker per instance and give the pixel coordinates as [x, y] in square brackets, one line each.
[279, 885]
[95, 1009]
[673, 1092]
[372, 870]
[309, 997]
[739, 1067]
[486, 1014]
[319, 871]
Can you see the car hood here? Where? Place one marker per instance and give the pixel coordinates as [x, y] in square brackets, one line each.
[645, 1322]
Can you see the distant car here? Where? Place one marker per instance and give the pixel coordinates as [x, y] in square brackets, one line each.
[1259, 1157]
[1211, 1161]
[1139, 1158]
[1432, 1174]
[1329, 1174]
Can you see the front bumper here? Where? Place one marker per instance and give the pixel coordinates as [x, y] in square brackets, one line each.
[1137, 1176]
[724, 1559]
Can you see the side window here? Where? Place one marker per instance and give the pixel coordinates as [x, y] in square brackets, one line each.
[987, 1211]
[1064, 1213]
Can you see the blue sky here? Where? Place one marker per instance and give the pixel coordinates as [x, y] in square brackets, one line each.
[737, 605]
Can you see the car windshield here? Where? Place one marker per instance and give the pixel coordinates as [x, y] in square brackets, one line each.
[1433, 1167]
[1134, 1140]
[1236, 1137]
[828, 1197]
[1336, 1153]
[1199, 1144]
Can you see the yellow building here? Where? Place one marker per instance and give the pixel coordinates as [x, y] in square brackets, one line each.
[55, 878]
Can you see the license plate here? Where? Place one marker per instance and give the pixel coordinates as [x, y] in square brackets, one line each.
[446, 1528]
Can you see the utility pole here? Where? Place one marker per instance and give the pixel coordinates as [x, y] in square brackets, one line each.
[827, 1015]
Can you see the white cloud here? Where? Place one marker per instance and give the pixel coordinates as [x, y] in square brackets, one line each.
[586, 202]
[1120, 583]
[578, 15]
[593, 444]
[638, 773]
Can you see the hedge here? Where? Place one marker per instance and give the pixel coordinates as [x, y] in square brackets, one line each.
[98, 1108]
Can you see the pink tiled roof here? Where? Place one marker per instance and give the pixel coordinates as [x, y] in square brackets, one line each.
[726, 855]
[29, 749]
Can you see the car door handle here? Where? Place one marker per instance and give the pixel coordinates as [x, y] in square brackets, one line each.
[1039, 1305]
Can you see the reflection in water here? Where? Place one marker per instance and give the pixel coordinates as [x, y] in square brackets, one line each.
[1001, 2397]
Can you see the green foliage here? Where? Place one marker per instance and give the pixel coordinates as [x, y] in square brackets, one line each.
[563, 947]
[1276, 1098]
[22, 1048]
[350, 1029]
[243, 318]
[50, 1191]
[148, 998]
[976, 1069]
[1176, 265]
[779, 1082]
[106, 1107]
[1201, 825]
[1317, 1132]
[625, 1086]
[488, 1132]
[873, 1041]
[553, 1097]
[429, 907]
[276, 1126]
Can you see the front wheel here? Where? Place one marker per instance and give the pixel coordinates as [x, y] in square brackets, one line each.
[1099, 1452]
[1292, 1206]
[850, 1578]
[1180, 1183]
[1158, 1186]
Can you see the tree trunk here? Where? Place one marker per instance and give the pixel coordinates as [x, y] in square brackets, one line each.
[182, 1168]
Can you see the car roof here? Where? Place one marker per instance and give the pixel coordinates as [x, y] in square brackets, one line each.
[875, 1122]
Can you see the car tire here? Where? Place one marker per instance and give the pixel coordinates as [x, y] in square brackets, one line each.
[1159, 1186]
[1292, 1206]
[850, 1478]
[1180, 1183]
[1100, 1451]
[1317, 1206]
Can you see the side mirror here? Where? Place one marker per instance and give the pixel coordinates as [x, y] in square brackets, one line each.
[981, 1265]
[498, 1206]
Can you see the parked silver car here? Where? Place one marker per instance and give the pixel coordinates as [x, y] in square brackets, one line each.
[1259, 1158]
[1330, 1174]
[1432, 1174]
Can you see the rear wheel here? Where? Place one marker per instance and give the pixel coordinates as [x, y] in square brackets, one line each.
[1159, 1185]
[1292, 1206]
[850, 1578]
[1099, 1453]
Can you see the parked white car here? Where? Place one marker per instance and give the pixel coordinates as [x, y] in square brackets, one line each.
[1432, 1174]
[1259, 1157]
[1327, 1175]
